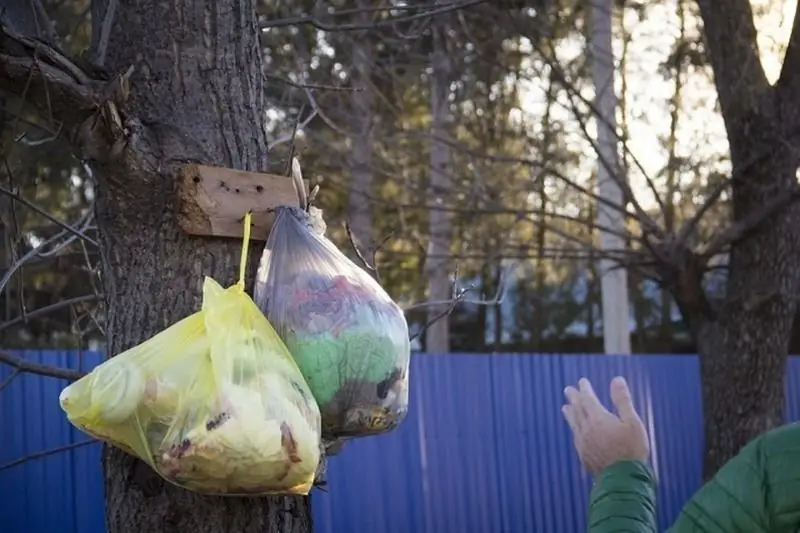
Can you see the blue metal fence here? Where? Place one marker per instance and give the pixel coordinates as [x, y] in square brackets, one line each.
[483, 449]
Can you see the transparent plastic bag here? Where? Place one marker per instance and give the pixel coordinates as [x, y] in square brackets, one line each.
[214, 403]
[348, 337]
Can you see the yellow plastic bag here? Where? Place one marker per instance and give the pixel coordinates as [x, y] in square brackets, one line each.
[214, 403]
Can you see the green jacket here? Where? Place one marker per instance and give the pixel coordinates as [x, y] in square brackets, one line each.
[758, 491]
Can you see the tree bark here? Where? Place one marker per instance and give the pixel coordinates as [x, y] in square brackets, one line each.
[197, 95]
[437, 337]
[743, 345]
[359, 192]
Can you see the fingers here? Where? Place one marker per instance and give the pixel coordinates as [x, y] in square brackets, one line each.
[621, 398]
[573, 396]
[583, 400]
[588, 399]
[572, 418]
[573, 412]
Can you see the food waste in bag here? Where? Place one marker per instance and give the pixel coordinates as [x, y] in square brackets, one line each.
[214, 404]
[348, 337]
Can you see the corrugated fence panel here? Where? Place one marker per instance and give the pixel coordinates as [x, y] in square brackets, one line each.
[60, 492]
[484, 448]
[793, 390]
[512, 468]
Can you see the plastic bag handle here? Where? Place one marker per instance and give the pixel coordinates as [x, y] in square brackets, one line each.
[245, 246]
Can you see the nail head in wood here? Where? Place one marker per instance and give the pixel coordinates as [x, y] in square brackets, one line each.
[212, 200]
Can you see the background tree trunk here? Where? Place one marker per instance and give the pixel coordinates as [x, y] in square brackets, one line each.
[743, 351]
[359, 193]
[743, 346]
[197, 95]
[437, 265]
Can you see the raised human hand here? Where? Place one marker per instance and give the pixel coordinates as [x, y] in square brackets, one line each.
[601, 437]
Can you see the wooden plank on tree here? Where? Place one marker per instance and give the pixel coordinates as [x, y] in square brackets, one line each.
[212, 201]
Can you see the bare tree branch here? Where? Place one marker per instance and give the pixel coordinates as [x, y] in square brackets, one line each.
[738, 174]
[752, 221]
[289, 138]
[51, 81]
[101, 45]
[46, 453]
[88, 107]
[43, 311]
[40, 250]
[6, 382]
[543, 167]
[46, 27]
[459, 297]
[42, 370]
[428, 10]
[310, 86]
[369, 266]
[648, 224]
[521, 213]
[67, 227]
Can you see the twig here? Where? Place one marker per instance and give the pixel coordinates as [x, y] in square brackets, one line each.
[370, 266]
[689, 225]
[39, 142]
[461, 298]
[435, 319]
[738, 229]
[452, 304]
[42, 370]
[6, 382]
[437, 9]
[622, 180]
[46, 453]
[37, 251]
[527, 162]
[521, 213]
[49, 54]
[46, 72]
[49, 30]
[646, 221]
[290, 138]
[105, 33]
[311, 86]
[13, 195]
[49, 309]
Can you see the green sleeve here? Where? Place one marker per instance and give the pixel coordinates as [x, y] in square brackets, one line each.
[623, 500]
[737, 499]
[758, 491]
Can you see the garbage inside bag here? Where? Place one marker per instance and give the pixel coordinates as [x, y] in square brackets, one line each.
[214, 404]
[348, 337]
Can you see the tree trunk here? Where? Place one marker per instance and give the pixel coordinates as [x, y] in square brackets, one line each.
[665, 330]
[743, 345]
[359, 192]
[197, 95]
[743, 350]
[437, 339]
